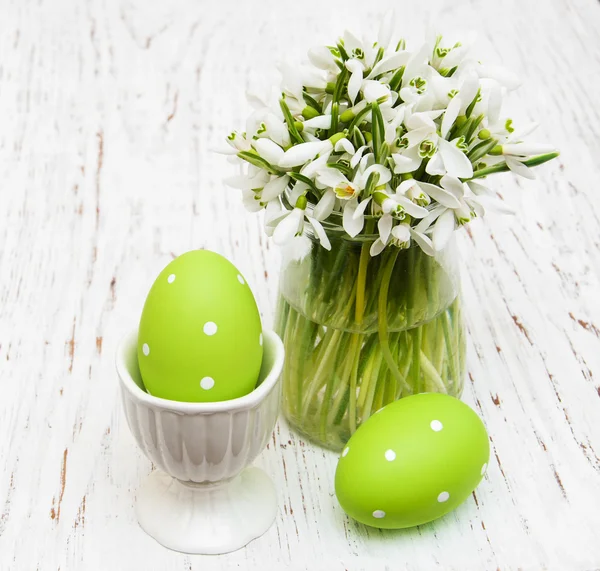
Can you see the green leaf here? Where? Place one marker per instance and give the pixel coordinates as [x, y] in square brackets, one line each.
[357, 137]
[397, 79]
[371, 183]
[343, 52]
[473, 103]
[358, 119]
[290, 122]
[335, 113]
[472, 127]
[341, 167]
[378, 130]
[481, 149]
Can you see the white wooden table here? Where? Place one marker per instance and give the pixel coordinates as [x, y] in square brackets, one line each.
[108, 113]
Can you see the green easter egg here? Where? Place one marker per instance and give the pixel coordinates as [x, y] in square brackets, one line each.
[412, 462]
[200, 335]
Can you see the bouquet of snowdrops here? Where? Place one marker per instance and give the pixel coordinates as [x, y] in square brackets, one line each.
[369, 150]
[374, 128]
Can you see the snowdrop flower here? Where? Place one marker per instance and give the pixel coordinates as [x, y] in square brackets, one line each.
[291, 226]
[515, 153]
[451, 212]
[397, 206]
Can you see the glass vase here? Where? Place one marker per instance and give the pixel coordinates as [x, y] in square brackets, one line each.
[361, 331]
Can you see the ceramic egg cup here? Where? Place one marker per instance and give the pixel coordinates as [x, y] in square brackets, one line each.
[204, 498]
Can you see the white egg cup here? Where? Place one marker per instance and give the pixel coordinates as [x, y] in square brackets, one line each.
[204, 498]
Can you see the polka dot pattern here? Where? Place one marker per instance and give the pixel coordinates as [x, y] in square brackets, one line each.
[443, 497]
[171, 278]
[379, 514]
[390, 455]
[436, 425]
[241, 279]
[145, 349]
[210, 328]
[207, 383]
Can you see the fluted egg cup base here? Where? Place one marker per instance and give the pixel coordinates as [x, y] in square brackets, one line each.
[203, 497]
[206, 518]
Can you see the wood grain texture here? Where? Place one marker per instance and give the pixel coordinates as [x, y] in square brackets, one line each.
[109, 110]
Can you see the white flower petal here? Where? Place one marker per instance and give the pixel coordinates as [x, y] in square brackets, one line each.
[479, 189]
[356, 78]
[468, 91]
[351, 42]
[268, 150]
[288, 227]
[373, 90]
[410, 207]
[384, 174]
[442, 231]
[405, 185]
[423, 241]
[455, 161]
[357, 156]
[376, 248]
[386, 27]
[417, 136]
[526, 149]
[310, 169]
[409, 161]
[453, 185]
[401, 232]
[274, 188]
[416, 65]
[519, 168]
[325, 206]
[320, 122]
[352, 225]
[299, 154]
[450, 115]
[444, 197]
[435, 166]
[244, 182]
[385, 227]
[331, 177]
[277, 130]
[274, 212]
[433, 215]
[362, 206]
[250, 201]
[346, 145]
[320, 232]
[392, 62]
[322, 58]
[298, 190]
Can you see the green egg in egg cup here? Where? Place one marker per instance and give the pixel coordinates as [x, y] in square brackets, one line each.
[202, 436]
[412, 462]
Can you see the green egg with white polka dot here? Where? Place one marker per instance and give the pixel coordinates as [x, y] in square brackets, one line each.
[200, 335]
[412, 462]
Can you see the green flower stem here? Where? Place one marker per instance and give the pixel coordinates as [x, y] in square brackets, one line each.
[361, 332]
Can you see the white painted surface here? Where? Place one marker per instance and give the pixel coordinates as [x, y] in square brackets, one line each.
[108, 112]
